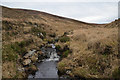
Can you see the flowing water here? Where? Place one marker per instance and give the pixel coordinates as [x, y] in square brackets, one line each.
[48, 67]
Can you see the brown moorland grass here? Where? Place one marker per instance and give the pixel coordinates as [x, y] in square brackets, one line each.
[95, 52]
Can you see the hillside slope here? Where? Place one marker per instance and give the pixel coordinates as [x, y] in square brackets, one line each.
[53, 21]
[94, 46]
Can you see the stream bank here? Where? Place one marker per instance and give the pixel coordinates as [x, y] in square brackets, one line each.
[42, 63]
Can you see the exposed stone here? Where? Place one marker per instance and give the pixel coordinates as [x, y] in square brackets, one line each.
[32, 69]
[29, 54]
[26, 62]
[21, 69]
[34, 58]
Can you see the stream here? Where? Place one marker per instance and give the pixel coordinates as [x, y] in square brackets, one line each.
[48, 67]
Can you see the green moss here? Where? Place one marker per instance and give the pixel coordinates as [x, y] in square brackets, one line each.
[80, 72]
[64, 39]
[65, 54]
[61, 67]
[58, 47]
[9, 54]
[25, 43]
[66, 51]
[6, 36]
[14, 33]
[11, 51]
[17, 48]
[44, 33]
[38, 30]
[51, 41]
[7, 25]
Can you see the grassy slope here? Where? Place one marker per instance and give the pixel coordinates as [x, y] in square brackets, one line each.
[94, 46]
[94, 53]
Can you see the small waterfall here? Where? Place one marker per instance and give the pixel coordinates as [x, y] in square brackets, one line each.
[53, 57]
[47, 68]
[51, 53]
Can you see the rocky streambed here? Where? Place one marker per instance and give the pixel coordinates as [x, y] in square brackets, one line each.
[45, 62]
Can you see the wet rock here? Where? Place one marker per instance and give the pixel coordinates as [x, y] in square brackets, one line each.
[26, 62]
[30, 76]
[53, 46]
[32, 69]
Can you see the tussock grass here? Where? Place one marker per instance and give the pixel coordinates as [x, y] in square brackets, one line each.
[94, 54]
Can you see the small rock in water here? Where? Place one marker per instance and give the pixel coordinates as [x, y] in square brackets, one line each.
[53, 46]
[30, 76]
